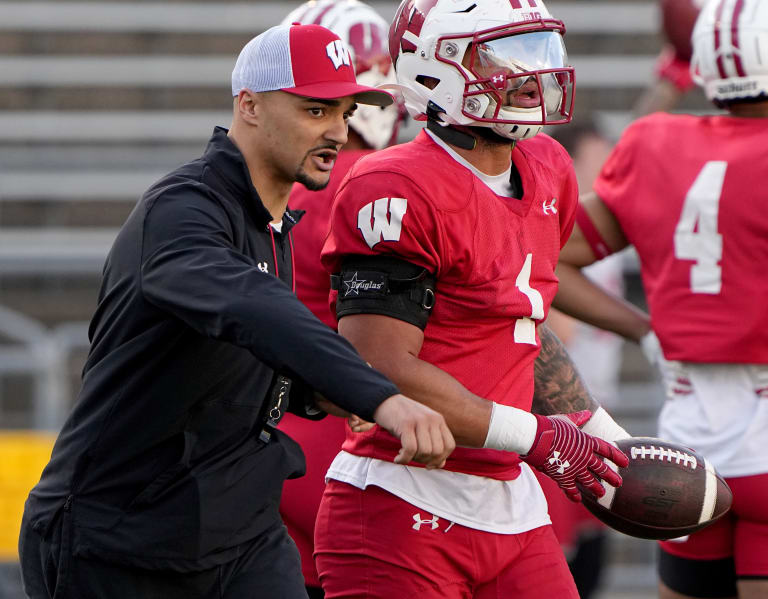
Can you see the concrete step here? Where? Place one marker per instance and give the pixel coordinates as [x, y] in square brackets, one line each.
[54, 250]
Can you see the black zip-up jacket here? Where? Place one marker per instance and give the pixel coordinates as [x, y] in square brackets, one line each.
[160, 463]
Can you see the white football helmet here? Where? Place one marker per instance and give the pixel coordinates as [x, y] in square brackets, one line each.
[364, 32]
[500, 64]
[730, 50]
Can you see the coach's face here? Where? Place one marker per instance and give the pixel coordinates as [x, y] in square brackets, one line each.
[302, 136]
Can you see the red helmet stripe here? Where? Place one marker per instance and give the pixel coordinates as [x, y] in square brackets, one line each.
[410, 16]
[718, 54]
[319, 18]
[735, 38]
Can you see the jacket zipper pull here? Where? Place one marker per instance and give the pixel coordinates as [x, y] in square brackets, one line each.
[278, 404]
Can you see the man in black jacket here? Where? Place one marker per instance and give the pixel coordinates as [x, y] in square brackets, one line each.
[166, 478]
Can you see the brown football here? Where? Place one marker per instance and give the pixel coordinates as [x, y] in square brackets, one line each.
[669, 491]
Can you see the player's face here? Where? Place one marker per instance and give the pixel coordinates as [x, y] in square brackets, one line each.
[306, 135]
[505, 61]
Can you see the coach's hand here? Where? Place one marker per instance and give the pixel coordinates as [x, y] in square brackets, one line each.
[569, 456]
[358, 425]
[423, 433]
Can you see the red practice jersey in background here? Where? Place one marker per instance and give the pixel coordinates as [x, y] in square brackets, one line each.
[494, 258]
[320, 440]
[690, 194]
[312, 281]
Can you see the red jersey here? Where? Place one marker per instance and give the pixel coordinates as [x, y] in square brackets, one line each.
[320, 440]
[494, 259]
[312, 282]
[689, 194]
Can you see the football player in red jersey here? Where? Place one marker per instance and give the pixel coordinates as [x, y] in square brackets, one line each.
[364, 32]
[688, 192]
[443, 253]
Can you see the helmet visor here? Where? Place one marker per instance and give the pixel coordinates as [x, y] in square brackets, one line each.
[523, 68]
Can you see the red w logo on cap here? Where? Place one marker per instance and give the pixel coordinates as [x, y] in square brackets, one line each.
[338, 54]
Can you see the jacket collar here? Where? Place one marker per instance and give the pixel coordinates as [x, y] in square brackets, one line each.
[224, 157]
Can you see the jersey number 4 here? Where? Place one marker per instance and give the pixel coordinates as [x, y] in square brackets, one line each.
[525, 328]
[696, 236]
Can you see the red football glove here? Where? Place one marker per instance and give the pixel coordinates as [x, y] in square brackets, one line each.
[569, 456]
[676, 70]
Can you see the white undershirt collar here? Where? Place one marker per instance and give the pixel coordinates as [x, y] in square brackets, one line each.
[498, 184]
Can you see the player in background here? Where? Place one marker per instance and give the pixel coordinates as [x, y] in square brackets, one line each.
[364, 32]
[672, 72]
[597, 356]
[595, 352]
[688, 192]
[443, 253]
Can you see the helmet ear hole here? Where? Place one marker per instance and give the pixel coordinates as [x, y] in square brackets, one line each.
[427, 81]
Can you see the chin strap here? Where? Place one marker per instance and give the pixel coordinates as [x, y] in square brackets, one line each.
[452, 136]
[448, 134]
[459, 136]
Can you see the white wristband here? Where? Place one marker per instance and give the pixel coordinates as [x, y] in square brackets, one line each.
[511, 429]
[603, 426]
[651, 347]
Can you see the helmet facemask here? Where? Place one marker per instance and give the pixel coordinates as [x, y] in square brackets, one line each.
[496, 64]
[518, 83]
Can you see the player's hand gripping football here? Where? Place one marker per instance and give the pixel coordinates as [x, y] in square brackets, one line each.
[424, 435]
[570, 457]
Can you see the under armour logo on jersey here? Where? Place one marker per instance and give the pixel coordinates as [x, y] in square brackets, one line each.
[382, 220]
[555, 460]
[263, 266]
[418, 521]
[549, 208]
[338, 54]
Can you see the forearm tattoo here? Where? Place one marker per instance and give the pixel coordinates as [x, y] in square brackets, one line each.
[557, 388]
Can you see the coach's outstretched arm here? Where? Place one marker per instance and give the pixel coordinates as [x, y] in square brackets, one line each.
[192, 269]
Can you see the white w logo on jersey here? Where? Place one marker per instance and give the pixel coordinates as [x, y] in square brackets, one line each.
[338, 54]
[387, 220]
